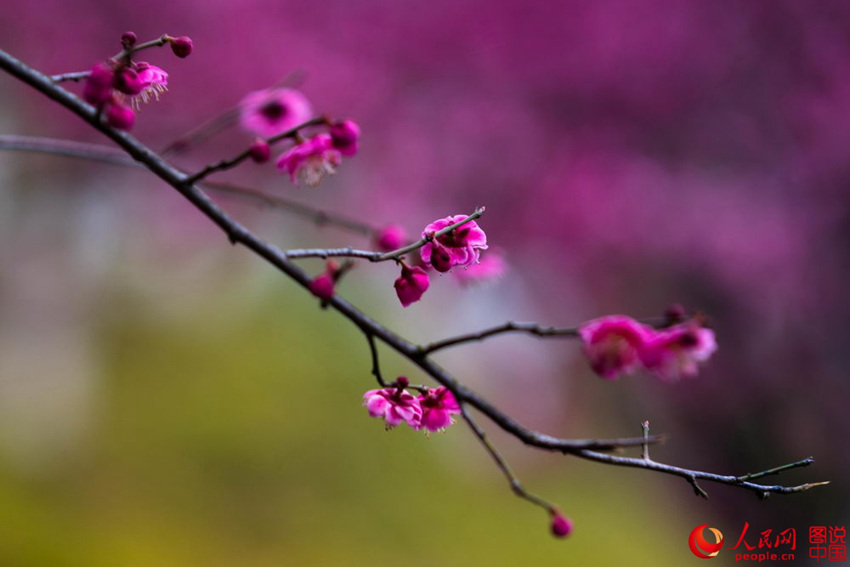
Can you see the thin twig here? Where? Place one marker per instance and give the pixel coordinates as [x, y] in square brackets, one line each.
[75, 76]
[509, 327]
[376, 366]
[516, 485]
[113, 156]
[380, 256]
[245, 154]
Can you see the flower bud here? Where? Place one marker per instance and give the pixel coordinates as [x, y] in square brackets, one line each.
[128, 40]
[561, 525]
[322, 286]
[98, 87]
[120, 116]
[411, 285]
[260, 151]
[344, 137]
[441, 258]
[182, 46]
[128, 82]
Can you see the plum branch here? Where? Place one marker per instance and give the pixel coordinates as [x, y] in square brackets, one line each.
[188, 185]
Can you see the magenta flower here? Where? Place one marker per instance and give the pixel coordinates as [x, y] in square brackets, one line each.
[411, 284]
[260, 151]
[460, 247]
[394, 405]
[311, 160]
[675, 352]
[270, 112]
[152, 80]
[390, 238]
[438, 406]
[613, 344]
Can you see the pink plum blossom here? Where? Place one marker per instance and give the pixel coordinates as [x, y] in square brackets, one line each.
[270, 112]
[394, 405]
[675, 352]
[411, 284]
[153, 82]
[390, 238]
[613, 344]
[438, 406]
[460, 247]
[311, 160]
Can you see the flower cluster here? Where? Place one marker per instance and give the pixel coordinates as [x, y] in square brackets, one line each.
[310, 160]
[431, 410]
[618, 344]
[110, 83]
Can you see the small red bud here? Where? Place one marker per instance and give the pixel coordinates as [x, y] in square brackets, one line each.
[260, 151]
[127, 81]
[561, 525]
[182, 46]
[441, 259]
[128, 39]
[322, 286]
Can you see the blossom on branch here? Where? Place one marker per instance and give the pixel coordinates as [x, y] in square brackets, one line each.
[561, 526]
[675, 352]
[394, 405]
[460, 247]
[613, 344]
[152, 80]
[270, 112]
[345, 135]
[438, 406]
[311, 160]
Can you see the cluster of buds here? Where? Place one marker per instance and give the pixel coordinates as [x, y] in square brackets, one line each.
[432, 410]
[618, 344]
[109, 84]
[269, 113]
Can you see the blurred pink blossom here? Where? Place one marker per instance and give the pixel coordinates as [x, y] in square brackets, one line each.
[613, 344]
[675, 352]
[270, 112]
[394, 405]
[311, 160]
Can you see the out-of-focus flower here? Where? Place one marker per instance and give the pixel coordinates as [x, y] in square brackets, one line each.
[438, 406]
[98, 86]
[491, 266]
[270, 112]
[311, 160]
[119, 116]
[322, 286]
[561, 526]
[675, 352]
[394, 405]
[613, 344]
[460, 247]
[411, 284]
[345, 135]
[390, 238]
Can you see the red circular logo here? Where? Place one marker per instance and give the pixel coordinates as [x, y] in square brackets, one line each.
[700, 546]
